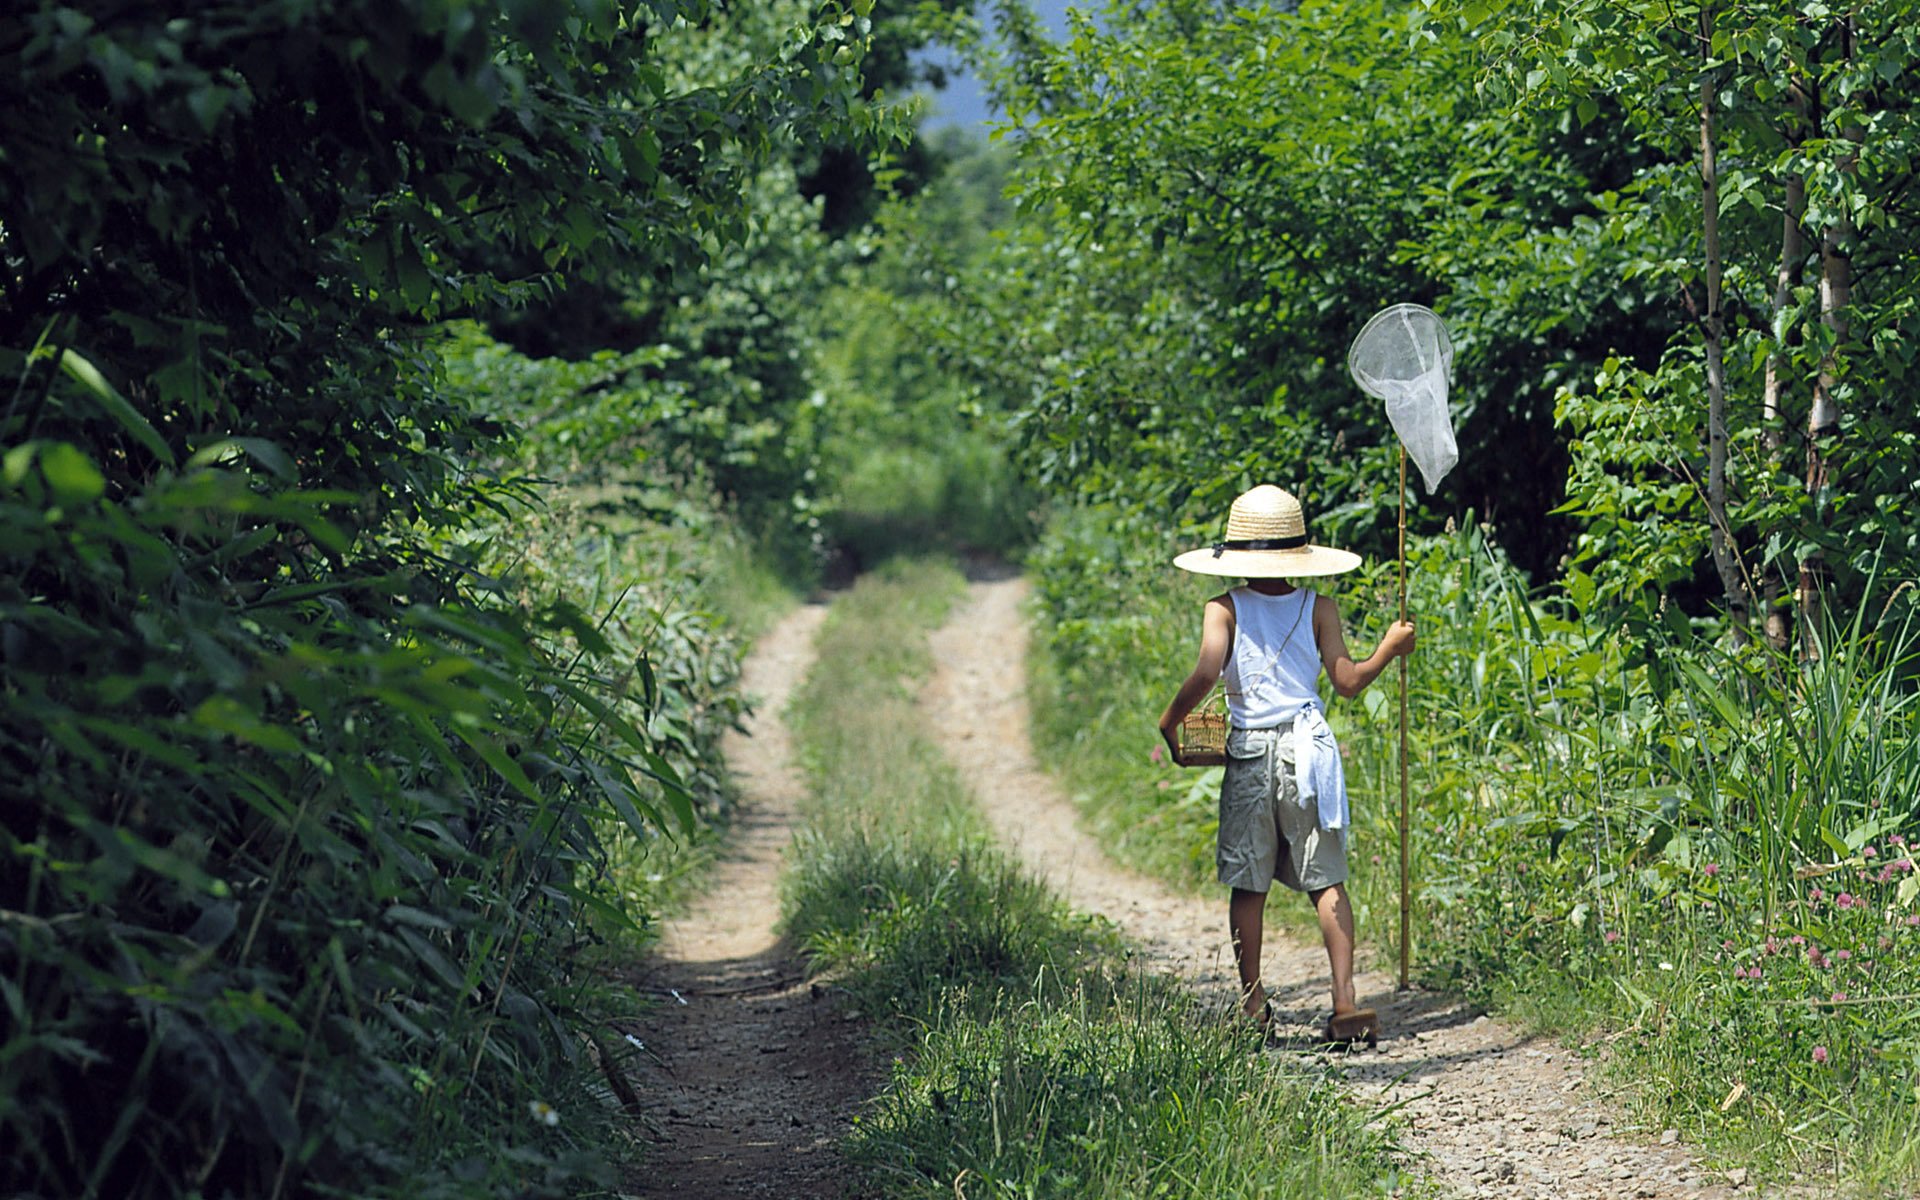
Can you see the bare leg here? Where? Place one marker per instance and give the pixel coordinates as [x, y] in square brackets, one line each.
[1336, 929]
[1244, 914]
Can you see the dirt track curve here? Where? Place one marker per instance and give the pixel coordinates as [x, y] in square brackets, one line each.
[1487, 1112]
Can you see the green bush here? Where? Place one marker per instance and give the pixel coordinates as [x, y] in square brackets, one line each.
[299, 864]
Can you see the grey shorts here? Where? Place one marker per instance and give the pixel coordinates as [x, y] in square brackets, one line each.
[1265, 833]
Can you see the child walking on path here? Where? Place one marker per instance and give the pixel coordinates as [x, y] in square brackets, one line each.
[1283, 803]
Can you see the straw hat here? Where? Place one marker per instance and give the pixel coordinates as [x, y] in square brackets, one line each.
[1266, 539]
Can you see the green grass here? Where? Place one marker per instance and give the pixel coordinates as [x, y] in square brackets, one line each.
[1028, 1060]
[1605, 829]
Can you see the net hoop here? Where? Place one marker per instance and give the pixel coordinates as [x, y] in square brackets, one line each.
[1419, 318]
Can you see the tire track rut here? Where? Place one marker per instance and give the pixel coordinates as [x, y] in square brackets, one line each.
[755, 1075]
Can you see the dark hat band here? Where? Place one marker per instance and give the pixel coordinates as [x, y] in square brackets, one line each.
[1290, 543]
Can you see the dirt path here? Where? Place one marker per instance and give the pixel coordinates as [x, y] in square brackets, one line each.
[756, 1074]
[1486, 1111]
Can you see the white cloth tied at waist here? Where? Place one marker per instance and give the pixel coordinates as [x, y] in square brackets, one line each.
[1319, 778]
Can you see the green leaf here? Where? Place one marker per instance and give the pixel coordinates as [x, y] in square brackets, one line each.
[496, 757]
[224, 714]
[116, 405]
[208, 104]
[262, 451]
[435, 960]
[71, 475]
[160, 861]
[418, 918]
[622, 799]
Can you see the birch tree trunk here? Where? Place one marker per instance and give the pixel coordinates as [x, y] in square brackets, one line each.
[1823, 418]
[1793, 252]
[1726, 555]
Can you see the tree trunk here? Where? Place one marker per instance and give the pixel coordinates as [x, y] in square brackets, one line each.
[1823, 419]
[1726, 555]
[1793, 252]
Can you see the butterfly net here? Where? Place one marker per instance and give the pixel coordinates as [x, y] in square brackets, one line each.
[1404, 357]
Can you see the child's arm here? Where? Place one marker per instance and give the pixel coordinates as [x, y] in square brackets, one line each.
[1216, 638]
[1351, 678]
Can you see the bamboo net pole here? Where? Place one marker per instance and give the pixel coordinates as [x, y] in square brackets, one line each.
[1404, 907]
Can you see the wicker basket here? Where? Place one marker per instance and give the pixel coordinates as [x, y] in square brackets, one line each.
[1203, 735]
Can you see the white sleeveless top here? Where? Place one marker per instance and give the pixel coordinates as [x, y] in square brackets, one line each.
[1274, 669]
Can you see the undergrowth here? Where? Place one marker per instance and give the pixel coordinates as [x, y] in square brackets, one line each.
[1028, 1060]
[1695, 857]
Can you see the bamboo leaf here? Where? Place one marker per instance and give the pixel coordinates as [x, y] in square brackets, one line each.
[116, 405]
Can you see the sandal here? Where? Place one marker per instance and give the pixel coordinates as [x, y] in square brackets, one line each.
[1344, 1029]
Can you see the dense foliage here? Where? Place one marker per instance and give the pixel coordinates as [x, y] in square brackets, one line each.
[1667, 238]
[388, 385]
[1198, 242]
[308, 772]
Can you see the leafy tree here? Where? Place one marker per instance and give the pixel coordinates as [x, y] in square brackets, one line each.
[1198, 246]
[300, 806]
[1793, 192]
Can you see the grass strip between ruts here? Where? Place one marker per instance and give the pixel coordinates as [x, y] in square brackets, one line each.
[1027, 1059]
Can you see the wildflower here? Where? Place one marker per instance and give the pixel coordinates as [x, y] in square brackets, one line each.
[1739, 972]
[1885, 874]
[1813, 955]
[543, 1112]
[1727, 945]
[1773, 945]
[1868, 852]
[1157, 756]
[1843, 900]
[1711, 869]
[1839, 998]
[1901, 864]
[1798, 940]
[1913, 918]
[1886, 943]
[1613, 935]
[1898, 839]
[1843, 955]
[1816, 895]
[1820, 1054]
[1753, 972]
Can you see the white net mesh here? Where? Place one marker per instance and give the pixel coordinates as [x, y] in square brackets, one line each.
[1404, 357]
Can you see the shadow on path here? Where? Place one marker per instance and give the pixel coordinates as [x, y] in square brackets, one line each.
[750, 1076]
